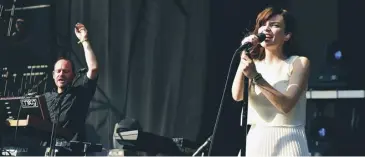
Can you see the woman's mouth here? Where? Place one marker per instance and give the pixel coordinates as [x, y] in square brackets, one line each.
[268, 38]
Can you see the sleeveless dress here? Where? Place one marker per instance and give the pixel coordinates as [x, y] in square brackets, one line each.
[273, 133]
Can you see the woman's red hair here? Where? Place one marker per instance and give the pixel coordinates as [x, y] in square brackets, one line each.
[258, 52]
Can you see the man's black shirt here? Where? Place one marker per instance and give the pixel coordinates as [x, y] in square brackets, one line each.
[70, 107]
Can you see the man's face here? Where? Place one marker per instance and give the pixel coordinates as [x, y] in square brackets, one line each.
[63, 73]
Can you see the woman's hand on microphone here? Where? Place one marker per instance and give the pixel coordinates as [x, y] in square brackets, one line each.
[247, 66]
[253, 39]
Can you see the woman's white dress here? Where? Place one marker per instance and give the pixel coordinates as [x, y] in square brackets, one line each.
[274, 133]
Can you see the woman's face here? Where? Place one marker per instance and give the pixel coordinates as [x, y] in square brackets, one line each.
[274, 29]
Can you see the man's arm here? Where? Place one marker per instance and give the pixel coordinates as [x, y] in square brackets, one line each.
[92, 64]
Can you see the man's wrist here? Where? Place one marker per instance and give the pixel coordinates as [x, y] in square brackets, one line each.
[82, 41]
[85, 43]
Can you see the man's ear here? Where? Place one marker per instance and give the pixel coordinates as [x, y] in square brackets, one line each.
[287, 36]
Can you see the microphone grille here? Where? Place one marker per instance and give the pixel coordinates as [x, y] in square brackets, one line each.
[261, 37]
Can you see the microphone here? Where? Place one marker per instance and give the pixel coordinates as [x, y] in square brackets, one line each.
[249, 45]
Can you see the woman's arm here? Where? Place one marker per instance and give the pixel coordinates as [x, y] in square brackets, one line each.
[298, 81]
[238, 84]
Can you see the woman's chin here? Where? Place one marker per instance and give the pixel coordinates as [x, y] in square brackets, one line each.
[268, 44]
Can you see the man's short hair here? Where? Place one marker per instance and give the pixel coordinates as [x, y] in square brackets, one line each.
[64, 58]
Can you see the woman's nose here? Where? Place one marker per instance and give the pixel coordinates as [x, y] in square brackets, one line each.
[266, 28]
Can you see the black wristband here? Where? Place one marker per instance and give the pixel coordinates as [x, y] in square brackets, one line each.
[256, 78]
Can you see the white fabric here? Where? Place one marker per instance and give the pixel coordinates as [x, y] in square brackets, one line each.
[272, 132]
[276, 141]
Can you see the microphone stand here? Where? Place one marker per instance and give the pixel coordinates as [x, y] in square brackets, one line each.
[203, 146]
[244, 113]
[54, 129]
[211, 138]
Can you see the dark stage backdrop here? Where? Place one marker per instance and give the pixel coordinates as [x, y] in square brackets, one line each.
[36, 43]
[152, 57]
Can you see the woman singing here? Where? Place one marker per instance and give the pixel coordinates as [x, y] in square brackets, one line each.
[277, 88]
